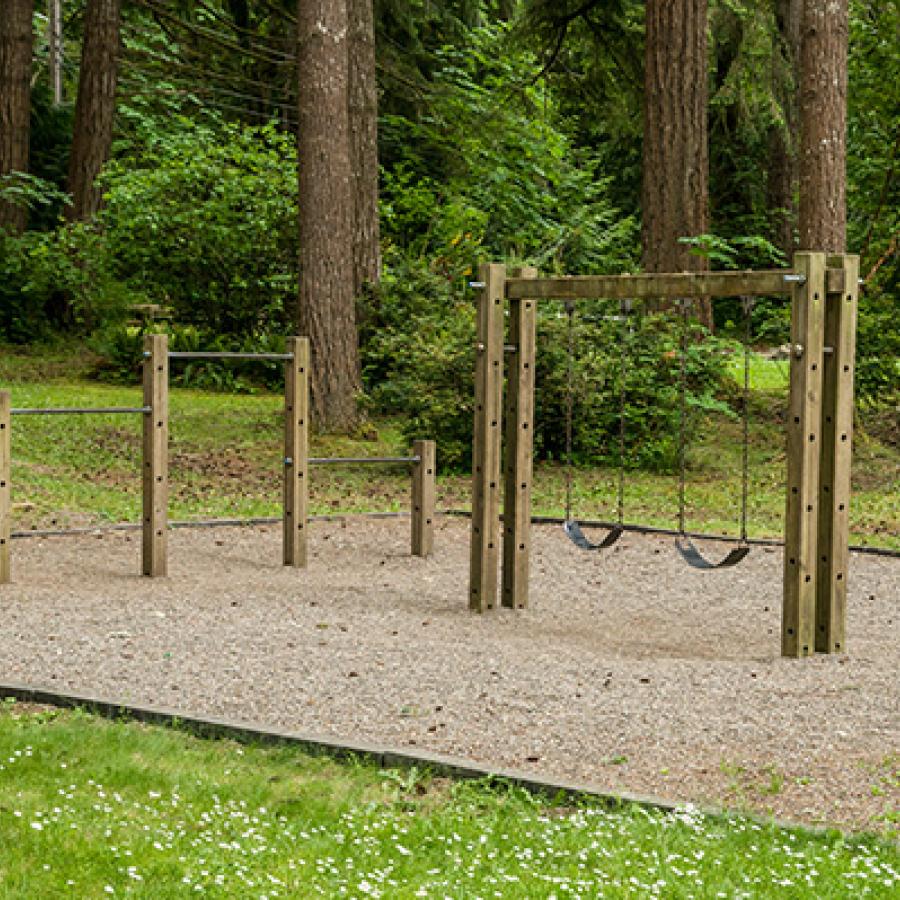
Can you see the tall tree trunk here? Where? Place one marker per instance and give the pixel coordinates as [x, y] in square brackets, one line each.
[675, 191]
[16, 40]
[363, 113]
[781, 180]
[823, 125]
[95, 107]
[326, 310]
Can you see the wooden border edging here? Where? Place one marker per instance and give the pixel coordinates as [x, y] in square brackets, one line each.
[439, 764]
[384, 757]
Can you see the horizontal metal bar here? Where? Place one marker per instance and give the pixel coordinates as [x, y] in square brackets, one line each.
[205, 523]
[221, 354]
[78, 410]
[656, 286]
[360, 460]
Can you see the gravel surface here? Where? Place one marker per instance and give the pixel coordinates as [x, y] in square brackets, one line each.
[630, 670]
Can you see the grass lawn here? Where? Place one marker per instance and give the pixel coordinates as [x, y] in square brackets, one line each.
[226, 456]
[92, 808]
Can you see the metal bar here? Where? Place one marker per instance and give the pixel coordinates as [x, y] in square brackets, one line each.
[358, 460]
[221, 354]
[203, 523]
[78, 410]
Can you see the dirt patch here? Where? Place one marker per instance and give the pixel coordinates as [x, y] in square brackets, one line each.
[628, 670]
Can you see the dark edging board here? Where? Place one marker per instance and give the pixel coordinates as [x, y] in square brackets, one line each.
[437, 764]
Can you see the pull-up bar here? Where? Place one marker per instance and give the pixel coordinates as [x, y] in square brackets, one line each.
[359, 460]
[226, 354]
[78, 410]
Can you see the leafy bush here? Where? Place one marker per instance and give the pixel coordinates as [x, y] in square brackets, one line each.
[204, 219]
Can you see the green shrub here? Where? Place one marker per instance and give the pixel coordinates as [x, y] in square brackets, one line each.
[204, 219]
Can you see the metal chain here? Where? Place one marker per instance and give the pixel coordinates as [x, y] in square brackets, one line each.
[626, 341]
[682, 424]
[745, 461]
[570, 389]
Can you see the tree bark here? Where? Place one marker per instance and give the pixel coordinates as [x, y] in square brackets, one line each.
[363, 121]
[823, 125]
[95, 107]
[16, 38]
[781, 178]
[675, 191]
[326, 309]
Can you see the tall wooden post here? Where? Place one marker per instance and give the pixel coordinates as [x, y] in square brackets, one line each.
[519, 449]
[5, 475]
[804, 439]
[423, 496]
[486, 440]
[296, 452]
[835, 460]
[154, 550]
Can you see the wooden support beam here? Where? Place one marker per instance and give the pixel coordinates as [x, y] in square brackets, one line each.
[519, 450]
[155, 481]
[5, 475]
[483, 561]
[423, 498]
[654, 286]
[804, 439]
[835, 462]
[296, 452]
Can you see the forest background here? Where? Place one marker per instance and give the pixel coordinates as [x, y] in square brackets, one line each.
[506, 131]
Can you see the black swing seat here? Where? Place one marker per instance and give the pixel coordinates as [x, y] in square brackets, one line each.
[578, 538]
[694, 558]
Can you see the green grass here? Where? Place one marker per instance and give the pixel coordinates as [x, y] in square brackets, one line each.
[91, 808]
[226, 456]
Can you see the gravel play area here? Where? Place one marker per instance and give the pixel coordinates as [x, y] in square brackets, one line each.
[630, 670]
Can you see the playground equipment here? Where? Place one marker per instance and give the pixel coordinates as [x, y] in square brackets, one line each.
[823, 291]
[155, 458]
[571, 526]
[683, 543]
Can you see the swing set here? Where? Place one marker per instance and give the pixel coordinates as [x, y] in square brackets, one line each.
[823, 292]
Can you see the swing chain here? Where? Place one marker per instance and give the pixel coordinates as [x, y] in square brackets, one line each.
[747, 303]
[684, 303]
[570, 389]
[627, 338]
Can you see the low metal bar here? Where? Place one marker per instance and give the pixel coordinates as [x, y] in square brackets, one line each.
[79, 410]
[358, 460]
[222, 354]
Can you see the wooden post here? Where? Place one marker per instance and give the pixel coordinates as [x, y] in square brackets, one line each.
[154, 550]
[296, 452]
[835, 460]
[423, 491]
[486, 439]
[519, 449]
[804, 439]
[5, 475]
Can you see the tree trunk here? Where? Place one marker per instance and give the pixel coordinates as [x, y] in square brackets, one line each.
[675, 192]
[781, 179]
[16, 39]
[95, 107]
[363, 113]
[55, 45]
[823, 125]
[326, 310]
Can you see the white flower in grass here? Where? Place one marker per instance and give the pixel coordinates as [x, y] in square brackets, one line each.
[37, 826]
